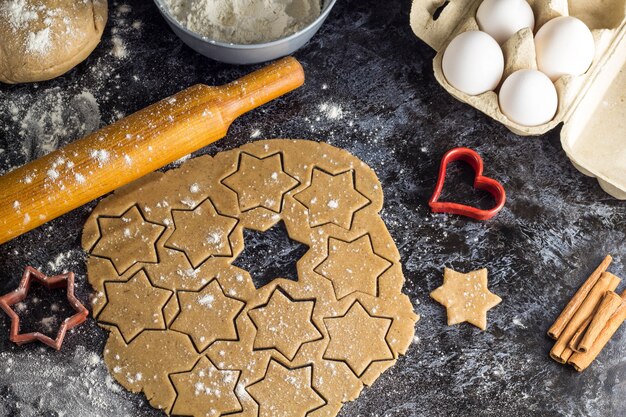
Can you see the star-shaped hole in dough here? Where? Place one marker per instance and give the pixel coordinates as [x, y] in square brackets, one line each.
[205, 391]
[207, 315]
[284, 324]
[286, 392]
[353, 266]
[134, 306]
[260, 182]
[127, 240]
[466, 297]
[270, 254]
[201, 233]
[332, 199]
[358, 339]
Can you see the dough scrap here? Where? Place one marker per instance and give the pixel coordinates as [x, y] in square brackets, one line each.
[288, 348]
[42, 39]
[466, 297]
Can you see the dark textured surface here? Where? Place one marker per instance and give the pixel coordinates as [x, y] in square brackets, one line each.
[270, 254]
[556, 227]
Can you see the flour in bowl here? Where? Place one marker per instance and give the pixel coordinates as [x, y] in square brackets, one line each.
[244, 21]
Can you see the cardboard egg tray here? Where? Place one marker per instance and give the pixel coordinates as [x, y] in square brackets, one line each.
[592, 106]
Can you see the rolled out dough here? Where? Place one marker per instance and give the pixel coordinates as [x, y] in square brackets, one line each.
[192, 332]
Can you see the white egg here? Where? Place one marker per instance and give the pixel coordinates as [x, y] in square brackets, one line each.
[528, 98]
[564, 46]
[473, 63]
[504, 18]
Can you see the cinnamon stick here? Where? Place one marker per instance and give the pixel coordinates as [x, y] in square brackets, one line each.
[607, 308]
[574, 343]
[578, 336]
[580, 361]
[572, 307]
[560, 351]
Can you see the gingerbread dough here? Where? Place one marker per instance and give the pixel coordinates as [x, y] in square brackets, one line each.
[191, 331]
[466, 297]
[42, 39]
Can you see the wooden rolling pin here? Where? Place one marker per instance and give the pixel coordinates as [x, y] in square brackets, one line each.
[134, 146]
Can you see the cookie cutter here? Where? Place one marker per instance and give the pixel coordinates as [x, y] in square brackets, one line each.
[19, 294]
[481, 182]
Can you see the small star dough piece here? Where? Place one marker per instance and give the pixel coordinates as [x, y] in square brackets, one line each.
[201, 233]
[284, 324]
[286, 392]
[332, 199]
[138, 299]
[260, 182]
[353, 267]
[42, 39]
[206, 391]
[128, 239]
[466, 297]
[208, 315]
[348, 333]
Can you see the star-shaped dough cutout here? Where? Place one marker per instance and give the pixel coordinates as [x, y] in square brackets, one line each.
[353, 266]
[358, 339]
[466, 297]
[284, 325]
[332, 199]
[260, 182]
[127, 239]
[205, 391]
[134, 306]
[201, 233]
[208, 315]
[286, 392]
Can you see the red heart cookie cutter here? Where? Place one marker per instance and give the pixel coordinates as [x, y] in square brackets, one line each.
[480, 182]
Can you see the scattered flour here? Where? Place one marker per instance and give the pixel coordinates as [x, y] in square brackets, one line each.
[65, 261]
[50, 119]
[332, 111]
[518, 322]
[245, 21]
[119, 50]
[124, 8]
[206, 300]
[53, 174]
[18, 13]
[39, 42]
[101, 155]
[80, 379]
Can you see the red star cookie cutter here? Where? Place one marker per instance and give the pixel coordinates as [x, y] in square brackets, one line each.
[57, 281]
[490, 185]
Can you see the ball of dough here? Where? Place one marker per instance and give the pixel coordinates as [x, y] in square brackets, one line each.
[42, 39]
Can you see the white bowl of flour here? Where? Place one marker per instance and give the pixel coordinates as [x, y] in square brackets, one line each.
[245, 31]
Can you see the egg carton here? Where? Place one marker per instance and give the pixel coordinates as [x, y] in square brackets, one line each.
[592, 106]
